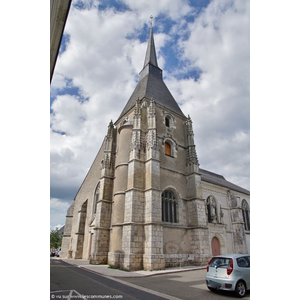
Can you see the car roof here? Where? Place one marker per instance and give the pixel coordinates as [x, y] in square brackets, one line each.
[232, 255]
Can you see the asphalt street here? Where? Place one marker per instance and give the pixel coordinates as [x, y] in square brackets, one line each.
[188, 285]
[70, 282]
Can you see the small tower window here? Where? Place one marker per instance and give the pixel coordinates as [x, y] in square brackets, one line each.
[167, 121]
[168, 149]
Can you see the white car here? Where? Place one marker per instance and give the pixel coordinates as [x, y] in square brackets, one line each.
[57, 252]
[229, 272]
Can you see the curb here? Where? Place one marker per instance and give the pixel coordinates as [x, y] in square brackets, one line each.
[136, 276]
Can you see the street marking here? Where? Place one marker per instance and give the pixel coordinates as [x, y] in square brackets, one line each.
[143, 289]
[77, 294]
[200, 286]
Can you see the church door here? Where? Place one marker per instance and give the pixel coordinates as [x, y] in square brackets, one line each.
[215, 246]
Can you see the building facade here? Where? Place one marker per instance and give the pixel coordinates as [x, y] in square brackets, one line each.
[59, 10]
[145, 204]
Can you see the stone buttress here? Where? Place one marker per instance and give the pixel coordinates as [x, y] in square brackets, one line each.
[100, 242]
[196, 203]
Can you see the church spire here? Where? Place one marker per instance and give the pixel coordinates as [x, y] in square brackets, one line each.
[150, 57]
[151, 84]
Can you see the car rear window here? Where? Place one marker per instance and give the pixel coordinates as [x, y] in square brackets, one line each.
[243, 262]
[220, 262]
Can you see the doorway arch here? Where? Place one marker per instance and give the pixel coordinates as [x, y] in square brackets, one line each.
[215, 246]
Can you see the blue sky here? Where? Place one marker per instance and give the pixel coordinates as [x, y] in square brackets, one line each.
[203, 48]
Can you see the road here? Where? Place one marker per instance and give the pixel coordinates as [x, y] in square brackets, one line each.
[69, 282]
[188, 285]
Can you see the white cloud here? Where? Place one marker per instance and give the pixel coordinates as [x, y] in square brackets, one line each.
[58, 211]
[57, 227]
[68, 115]
[218, 101]
[174, 9]
[59, 82]
[58, 204]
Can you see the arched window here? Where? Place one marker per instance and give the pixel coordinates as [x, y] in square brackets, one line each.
[96, 198]
[169, 207]
[168, 150]
[246, 214]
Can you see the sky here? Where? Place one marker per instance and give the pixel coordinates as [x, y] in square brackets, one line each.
[203, 48]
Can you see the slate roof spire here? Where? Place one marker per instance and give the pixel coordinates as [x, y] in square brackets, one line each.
[151, 84]
[150, 57]
[150, 63]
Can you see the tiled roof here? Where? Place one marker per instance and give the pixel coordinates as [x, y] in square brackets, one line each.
[221, 181]
[151, 86]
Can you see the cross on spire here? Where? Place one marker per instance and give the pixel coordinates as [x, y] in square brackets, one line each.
[151, 17]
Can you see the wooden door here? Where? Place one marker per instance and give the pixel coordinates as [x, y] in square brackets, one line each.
[215, 246]
[168, 149]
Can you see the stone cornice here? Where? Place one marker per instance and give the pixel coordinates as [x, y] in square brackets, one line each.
[205, 188]
[194, 198]
[101, 228]
[121, 165]
[104, 200]
[167, 169]
[126, 125]
[171, 225]
[119, 193]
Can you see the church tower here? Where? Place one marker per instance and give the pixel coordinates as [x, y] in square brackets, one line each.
[142, 206]
[157, 189]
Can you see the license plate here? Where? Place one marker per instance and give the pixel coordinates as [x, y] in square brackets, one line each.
[213, 284]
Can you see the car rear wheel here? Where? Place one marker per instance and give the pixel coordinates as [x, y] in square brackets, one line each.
[240, 289]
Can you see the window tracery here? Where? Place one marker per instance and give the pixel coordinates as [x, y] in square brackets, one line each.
[96, 198]
[246, 214]
[169, 206]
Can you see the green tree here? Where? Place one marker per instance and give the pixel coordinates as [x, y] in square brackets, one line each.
[55, 239]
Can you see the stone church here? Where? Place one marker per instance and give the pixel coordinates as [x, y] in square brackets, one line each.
[145, 204]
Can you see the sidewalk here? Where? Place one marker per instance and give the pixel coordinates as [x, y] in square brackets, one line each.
[106, 271]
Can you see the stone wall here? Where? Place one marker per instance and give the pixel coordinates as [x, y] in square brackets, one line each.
[67, 237]
[186, 259]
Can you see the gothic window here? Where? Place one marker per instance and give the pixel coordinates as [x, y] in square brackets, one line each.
[208, 211]
[246, 214]
[168, 149]
[211, 206]
[96, 198]
[169, 207]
